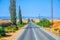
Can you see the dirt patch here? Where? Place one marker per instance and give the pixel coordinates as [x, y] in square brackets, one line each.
[53, 31]
[54, 28]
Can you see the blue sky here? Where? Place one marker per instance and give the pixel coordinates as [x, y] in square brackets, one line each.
[31, 8]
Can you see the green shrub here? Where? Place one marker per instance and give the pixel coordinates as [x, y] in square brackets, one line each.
[59, 30]
[56, 29]
[8, 29]
[21, 25]
[2, 31]
[44, 22]
[12, 28]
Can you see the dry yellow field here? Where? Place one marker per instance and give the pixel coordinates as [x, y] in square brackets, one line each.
[56, 24]
[36, 20]
[25, 20]
[8, 21]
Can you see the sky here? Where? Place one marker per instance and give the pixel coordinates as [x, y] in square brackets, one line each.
[31, 8]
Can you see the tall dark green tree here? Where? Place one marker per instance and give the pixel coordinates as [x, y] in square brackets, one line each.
[20, 16]
[28, 20]
[13, 11]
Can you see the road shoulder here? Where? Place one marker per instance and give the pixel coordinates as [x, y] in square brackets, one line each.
[12, 35]
[54, 36]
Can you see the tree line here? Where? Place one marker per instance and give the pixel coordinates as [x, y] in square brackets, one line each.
[13, 13]
[13, 27]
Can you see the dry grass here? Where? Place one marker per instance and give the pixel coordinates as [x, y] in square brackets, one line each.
[36, 20]
[53, 31]
[25, 20]
[56, 25]
[8, 22]
[4, 21]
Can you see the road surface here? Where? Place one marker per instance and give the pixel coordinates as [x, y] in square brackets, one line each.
[32, 32]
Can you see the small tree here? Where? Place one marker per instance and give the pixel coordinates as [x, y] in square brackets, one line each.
[20, 16]
[28, 20]
[32, 20]
[45, 22]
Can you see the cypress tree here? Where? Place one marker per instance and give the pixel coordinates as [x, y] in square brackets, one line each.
[20, 16]
[28, 20]
[13, 12]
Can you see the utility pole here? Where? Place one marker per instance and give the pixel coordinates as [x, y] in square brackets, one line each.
[52, 11]
[39, 16]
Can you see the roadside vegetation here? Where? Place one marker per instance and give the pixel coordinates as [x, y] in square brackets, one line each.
[11, 29]
[47, 25]
[2, 31]
[57, 30]
[44, 23]
[14, 26]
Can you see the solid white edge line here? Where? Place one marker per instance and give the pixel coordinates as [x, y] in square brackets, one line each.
[51, 34]
[35, 34]
[16, 37]
[54, 36]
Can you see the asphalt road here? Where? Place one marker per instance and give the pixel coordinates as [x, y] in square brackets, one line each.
[32, 32]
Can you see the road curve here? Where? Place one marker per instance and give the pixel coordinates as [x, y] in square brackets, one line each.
[32, 32]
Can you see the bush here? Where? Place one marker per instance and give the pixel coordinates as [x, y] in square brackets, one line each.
[59, 30]
[12, 28]
[44, 22]
[21, 25]
[2, 31]
[56, 29]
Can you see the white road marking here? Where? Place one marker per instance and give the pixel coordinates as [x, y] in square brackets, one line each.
[19, 34]
[35, 34]
[51, 34]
